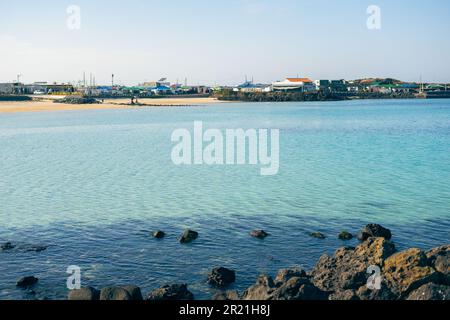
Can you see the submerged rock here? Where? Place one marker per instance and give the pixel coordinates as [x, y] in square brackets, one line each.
[344, 235]
[22, 247]
[7, 246]
[260, 234]
[158, 234]
[35, 248]
[431, 291]
[317, 235]
[27, 282]
[84, 294]
[221, 277]
[374, 230]
[188, 236]
[171, 292]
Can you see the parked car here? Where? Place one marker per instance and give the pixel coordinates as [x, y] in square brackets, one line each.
[39, 92]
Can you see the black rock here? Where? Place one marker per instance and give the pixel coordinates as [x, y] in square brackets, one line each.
[221, 277]
[35, 248]
[295, 288]
[346, 295]
[374, 230]
[188, 236]
[347, 268]
[27, 282]
[77, 100]
[134, 291]
[344, 235]
[171, 292]
[7, 246]
[439, 259]
[158, 234]
[431, 291]
[260, 234]
[226, 296]
[317, 235]
[115, 294]
[285, 274]
[84, 294]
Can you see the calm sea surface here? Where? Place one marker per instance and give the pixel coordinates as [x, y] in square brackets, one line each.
[91, 185]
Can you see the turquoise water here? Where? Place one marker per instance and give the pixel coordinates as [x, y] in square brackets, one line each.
[92, 184]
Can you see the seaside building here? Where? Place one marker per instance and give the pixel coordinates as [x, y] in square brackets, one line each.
[295, 84]
[160, 90]
[338, 86]
[322, 84]
[160, 83]
[36, 87]
[10, 88]
[252, 87]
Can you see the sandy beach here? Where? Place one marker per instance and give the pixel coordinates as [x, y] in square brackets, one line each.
[48, 104]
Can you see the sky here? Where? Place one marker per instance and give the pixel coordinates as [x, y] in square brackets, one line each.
[221, 42]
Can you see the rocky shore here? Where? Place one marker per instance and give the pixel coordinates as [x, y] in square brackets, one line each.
[373, 270]
[307, 96]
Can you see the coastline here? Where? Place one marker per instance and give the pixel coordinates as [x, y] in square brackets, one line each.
[48, 104]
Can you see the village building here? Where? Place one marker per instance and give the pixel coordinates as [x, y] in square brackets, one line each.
[295, 84]
[252, 87]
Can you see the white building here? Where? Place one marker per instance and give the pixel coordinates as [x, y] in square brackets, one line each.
[295, 84]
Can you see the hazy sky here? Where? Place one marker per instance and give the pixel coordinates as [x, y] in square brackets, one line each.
[222, 41]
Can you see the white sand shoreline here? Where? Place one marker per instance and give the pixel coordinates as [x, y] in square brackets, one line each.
[48, 104]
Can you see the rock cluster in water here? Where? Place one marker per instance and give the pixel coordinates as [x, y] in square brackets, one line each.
[412, 274]
[77, 100]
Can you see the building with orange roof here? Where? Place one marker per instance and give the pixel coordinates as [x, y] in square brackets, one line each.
[295, 84]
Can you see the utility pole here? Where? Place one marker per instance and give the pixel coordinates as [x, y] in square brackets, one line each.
[112, 80]
[18, 78]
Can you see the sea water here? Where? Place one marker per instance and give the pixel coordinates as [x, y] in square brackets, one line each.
[92, 185]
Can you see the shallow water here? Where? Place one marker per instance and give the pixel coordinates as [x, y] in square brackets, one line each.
[92, 184]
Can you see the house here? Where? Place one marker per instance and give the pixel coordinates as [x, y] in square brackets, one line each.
[338, 86]
[160, 83]
[252, 87]
[406, 87]
[295, 84]
[331, 85]
[161, 90]
[435, 87]
[9, 88]
[59, 88]
[322, 84]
